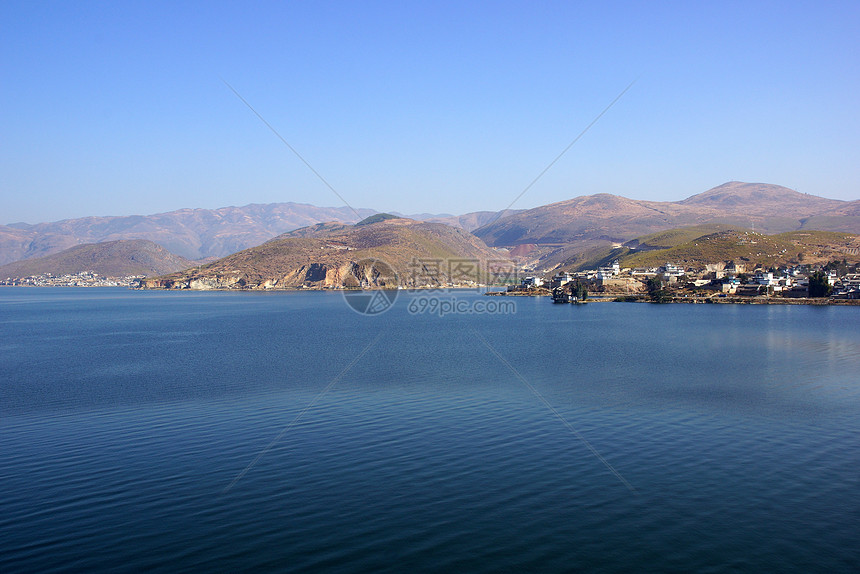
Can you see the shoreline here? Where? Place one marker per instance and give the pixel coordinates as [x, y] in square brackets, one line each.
[816, 302]
[819, 302]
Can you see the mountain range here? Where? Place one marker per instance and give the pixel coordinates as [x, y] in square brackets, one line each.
[196, 233]
[191, 233]
[764, 207]
[543, 237]
[554, 234]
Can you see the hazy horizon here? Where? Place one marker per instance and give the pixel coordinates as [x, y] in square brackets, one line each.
[347, 207]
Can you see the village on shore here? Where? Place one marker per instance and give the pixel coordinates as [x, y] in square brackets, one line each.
[727, 282]
[82, 279]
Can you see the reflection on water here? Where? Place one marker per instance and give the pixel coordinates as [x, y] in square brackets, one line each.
[124, 415]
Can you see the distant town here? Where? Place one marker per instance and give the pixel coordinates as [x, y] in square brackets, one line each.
[724, 282]
[83, 279]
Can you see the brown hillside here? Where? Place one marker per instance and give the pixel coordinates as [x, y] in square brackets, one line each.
[763, 207]
[761, 199]
[418, 252]
[111, 259]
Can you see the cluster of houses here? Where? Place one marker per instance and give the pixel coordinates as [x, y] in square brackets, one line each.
[722, 279]
[846, 287]
[792, 282]
[83, 279]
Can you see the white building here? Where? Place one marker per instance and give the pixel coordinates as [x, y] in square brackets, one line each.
[765, 278]
[644, 271]
[672, 270]
[530, 281]
[560, 279]
[609, 271]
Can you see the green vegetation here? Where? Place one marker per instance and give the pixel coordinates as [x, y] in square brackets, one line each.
[579, 291]
[841, 267]
[813, 237]
[626, 299]
[754, 249]
[603, 258]
[656, 292]
[680, 235]
[591, 258]
[818, 285]
[700, 245]
[376, 218]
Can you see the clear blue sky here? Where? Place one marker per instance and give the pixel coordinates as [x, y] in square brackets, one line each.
[115, 108]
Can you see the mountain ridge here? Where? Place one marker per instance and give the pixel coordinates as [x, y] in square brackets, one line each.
[614, 219]
[194, 233]
[190, 232]
[546, 233]
[119, 258]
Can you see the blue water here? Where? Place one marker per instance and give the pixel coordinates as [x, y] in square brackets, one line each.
[155, 431]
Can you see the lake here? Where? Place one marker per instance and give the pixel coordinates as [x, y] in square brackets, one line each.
[175, 431]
